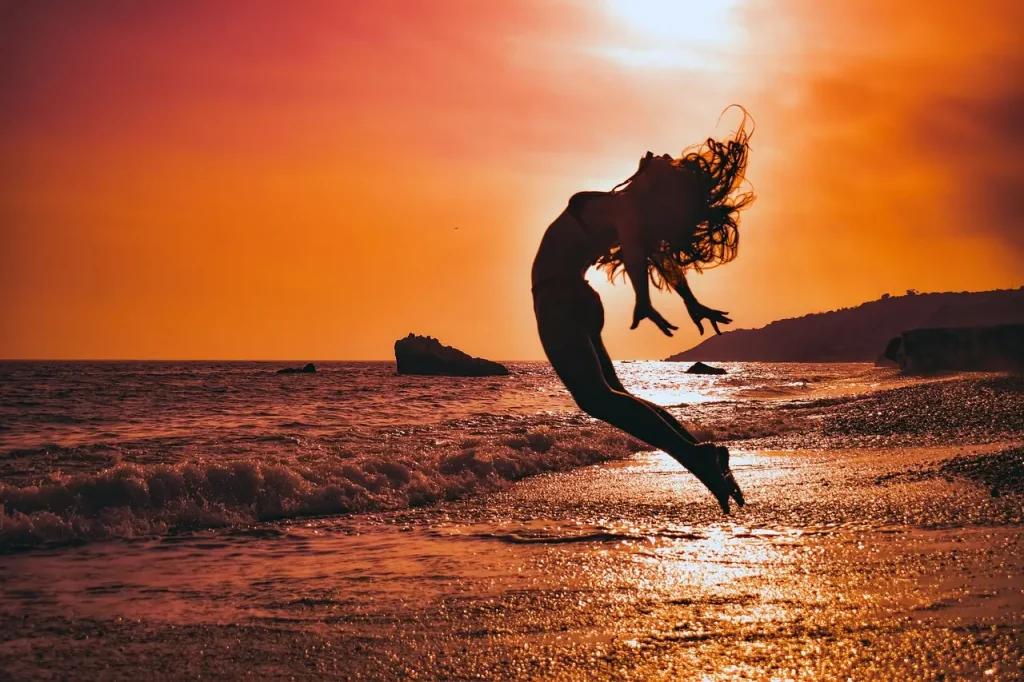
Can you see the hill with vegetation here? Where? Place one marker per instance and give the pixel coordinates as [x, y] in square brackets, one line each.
[859, 334]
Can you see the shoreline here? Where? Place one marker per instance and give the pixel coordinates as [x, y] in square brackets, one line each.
[145, 493]
[619, 569]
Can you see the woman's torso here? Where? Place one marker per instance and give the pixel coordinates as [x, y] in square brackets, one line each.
[569, 245]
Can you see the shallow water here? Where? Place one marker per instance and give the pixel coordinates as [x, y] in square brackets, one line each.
[622, 569]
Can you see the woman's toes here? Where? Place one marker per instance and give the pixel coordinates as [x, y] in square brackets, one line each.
[723, 465]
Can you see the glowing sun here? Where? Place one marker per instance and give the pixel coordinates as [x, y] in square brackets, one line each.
[675, 33]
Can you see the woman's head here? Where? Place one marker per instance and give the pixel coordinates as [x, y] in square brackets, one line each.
[691, 204]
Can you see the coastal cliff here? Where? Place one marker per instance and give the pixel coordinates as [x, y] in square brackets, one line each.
[859, 334]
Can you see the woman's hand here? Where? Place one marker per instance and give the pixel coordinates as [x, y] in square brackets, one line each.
[699, 312]
[644, 311]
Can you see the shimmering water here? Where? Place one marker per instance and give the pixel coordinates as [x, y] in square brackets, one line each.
[96, 450]
[167, 412]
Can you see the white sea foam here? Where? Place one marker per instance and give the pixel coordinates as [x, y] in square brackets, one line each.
[129, 500]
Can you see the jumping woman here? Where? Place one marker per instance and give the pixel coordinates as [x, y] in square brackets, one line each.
[670, 216]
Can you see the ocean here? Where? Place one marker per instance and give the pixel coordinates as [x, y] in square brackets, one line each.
[121, 449]
[219, 519]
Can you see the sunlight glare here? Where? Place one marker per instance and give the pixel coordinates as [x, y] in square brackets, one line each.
[675, 33]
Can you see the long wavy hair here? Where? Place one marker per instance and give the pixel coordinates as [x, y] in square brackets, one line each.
[716, 174]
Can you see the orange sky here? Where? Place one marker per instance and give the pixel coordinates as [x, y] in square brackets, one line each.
[185, 180]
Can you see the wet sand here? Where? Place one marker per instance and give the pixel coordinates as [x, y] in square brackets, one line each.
[846, 564]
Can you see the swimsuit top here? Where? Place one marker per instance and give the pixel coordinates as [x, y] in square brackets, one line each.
[569, 256]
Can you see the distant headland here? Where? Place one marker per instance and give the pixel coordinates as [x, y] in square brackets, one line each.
[859, 334]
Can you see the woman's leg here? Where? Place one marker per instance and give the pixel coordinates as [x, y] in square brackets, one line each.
[568, 317]
[608, 370]
[576, 362]
[721, 454]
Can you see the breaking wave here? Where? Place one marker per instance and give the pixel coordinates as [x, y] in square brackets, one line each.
[132, 500]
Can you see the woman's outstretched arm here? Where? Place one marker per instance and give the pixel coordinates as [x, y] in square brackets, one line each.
[698, 311]
[636, 261]
[672, 273]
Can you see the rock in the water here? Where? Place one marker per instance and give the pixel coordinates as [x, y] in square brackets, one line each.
[890, 357]
[894, 348]
[701, 368]
[883, 360]
[426, 355]
[310, 368]
[994, 349]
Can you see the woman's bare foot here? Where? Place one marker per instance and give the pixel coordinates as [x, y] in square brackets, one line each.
[706, 464]
[723, 466]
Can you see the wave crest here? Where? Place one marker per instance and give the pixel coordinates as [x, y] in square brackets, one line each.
[129, 500]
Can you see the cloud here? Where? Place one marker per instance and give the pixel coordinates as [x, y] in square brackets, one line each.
[899, 125]
[977, 140]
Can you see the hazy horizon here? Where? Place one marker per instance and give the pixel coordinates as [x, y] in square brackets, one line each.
[391, 358]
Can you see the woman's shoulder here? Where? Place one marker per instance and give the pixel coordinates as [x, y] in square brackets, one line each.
[579, 200]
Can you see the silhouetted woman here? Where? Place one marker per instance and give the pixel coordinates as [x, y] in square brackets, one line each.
[670, 216]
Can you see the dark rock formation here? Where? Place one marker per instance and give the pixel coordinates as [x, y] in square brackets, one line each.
[310, 368]
[426, 355]
[982, 349]
[892, 350]
[858, 334]
[701, 368]
[890, 357]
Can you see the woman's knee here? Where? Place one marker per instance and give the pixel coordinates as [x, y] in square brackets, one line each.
[597, 403]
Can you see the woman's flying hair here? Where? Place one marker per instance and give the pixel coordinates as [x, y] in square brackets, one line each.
[716, 169]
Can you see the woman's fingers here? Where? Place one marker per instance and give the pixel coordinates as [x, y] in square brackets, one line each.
[664, 325]
[719, 315]
[716, 318]
[654, 316]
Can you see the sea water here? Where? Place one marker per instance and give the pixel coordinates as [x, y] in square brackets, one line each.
[91, 450]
